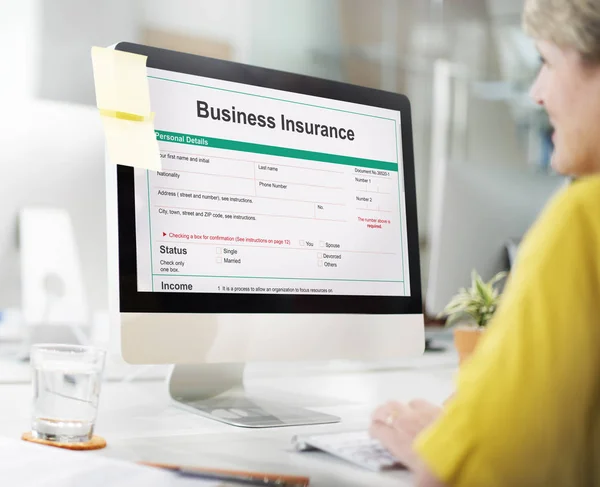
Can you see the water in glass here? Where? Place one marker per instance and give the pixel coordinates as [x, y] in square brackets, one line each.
[65, 403]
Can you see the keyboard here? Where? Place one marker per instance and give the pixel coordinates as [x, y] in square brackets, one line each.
[356, 447]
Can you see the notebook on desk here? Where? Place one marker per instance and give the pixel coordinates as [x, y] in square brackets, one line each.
[27, 465]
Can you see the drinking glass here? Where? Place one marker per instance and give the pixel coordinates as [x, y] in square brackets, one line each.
[66, 391]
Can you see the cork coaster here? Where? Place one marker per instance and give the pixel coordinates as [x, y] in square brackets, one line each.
[96, 443]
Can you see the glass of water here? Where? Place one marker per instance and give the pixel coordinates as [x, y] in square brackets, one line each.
[66, 387]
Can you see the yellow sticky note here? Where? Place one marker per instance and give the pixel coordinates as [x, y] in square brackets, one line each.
[132, 143]
[123, 97]
[121, 81]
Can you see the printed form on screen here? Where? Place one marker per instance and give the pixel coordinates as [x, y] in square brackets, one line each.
[265, 191]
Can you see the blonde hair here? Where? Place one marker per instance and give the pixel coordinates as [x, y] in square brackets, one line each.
[567, 23]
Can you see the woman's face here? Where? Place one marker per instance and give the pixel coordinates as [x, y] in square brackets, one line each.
[569, 89]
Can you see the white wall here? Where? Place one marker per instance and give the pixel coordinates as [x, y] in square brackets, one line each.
[270, 33]
[68, 30]
[492, 135]
[227, 21]
[45, 45]
[286, 35]
[18, 45]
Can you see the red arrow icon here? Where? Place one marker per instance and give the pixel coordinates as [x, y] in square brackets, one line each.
[164, 234]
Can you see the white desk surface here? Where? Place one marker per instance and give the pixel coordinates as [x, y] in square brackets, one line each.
[139, 422]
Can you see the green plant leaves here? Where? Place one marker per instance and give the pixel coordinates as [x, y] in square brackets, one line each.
[475, 305]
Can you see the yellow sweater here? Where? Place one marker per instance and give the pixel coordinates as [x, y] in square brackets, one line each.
[527, 405]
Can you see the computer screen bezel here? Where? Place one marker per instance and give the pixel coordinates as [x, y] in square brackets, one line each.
[132, 301]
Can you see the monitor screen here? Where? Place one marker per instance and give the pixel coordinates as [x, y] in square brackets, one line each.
[265, 191]
[289, 192]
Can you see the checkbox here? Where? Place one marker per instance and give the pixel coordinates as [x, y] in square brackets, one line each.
[219, 260]
[321, 244]
[302, 243]
[320, 263]
[320, 255]
[218, 250]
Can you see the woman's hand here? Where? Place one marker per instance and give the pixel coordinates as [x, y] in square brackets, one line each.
[396, 425]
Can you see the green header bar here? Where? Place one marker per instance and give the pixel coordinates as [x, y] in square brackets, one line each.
[272, 150]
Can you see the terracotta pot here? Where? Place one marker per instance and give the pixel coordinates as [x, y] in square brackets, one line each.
[465, 341]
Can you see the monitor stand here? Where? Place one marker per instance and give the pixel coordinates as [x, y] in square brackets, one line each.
[217, 391]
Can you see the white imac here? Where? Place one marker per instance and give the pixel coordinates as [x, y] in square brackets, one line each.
[282, 227]
[479, 216]
[52, 166]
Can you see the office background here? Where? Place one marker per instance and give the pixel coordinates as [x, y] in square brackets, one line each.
[465, 66]
[481, 158]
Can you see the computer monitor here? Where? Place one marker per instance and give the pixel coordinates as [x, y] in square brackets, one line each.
[53, 157]
[478, 216]
[282, 227]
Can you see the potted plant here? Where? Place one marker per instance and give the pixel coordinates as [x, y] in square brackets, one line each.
[472, 309]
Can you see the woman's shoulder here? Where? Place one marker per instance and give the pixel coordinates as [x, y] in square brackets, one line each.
[579, 198]
[572, 215]
[586, 189]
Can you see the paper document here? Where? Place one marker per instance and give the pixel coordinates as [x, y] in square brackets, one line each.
[123, 97]
[29, 465]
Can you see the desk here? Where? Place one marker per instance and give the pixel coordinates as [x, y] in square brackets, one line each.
[139, 423]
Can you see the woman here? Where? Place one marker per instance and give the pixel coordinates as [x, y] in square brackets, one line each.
[526, 411]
